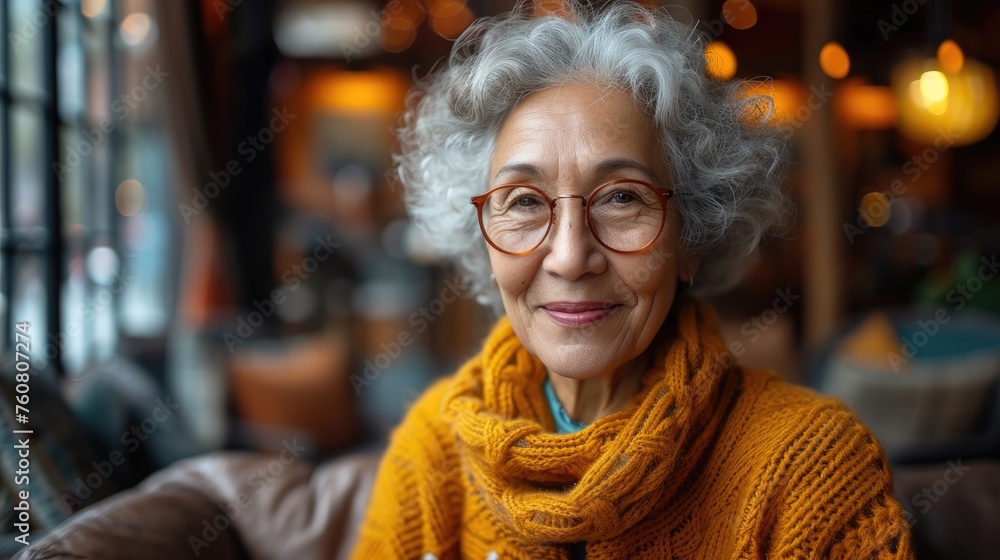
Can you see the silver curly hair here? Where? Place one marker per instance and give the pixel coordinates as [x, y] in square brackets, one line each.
[728, 164]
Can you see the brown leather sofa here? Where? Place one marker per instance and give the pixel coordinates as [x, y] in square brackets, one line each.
[250, 506]
[223, 506]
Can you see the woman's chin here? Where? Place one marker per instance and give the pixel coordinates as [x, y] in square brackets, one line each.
[582, 366]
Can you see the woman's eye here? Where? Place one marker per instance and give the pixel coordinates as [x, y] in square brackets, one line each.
[526, 201]
[622, 197]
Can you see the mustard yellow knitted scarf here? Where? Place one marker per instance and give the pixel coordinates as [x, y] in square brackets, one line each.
[595, 484]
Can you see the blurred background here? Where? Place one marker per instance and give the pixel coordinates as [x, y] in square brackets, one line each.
[201, 226]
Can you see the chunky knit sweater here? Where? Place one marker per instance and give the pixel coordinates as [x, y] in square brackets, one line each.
[708, 461]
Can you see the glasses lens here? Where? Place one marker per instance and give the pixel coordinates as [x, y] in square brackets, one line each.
[516, 218]
[626, 216]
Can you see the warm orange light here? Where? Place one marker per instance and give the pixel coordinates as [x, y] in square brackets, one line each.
[740, 14]
[397, 36]
[875, 209]
[720, 60]
[444, 8]
[931, 99]
[399, 22]
[834, 61]
[950, 56]
[549, 7]
[369, 91]
[786, 98]
[933, 91]
[865, 106]
[450, 27]
[410, 10]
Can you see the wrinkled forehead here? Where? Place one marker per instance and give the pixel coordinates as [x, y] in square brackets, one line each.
[578, 125]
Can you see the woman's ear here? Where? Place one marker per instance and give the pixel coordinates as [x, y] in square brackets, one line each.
[687, 268]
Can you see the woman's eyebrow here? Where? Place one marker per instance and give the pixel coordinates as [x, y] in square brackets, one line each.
[618, 164]
[606, 166]
[523, 168]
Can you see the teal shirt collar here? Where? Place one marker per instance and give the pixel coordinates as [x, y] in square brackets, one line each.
[564, 424]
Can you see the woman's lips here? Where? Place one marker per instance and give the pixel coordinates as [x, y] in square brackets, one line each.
[578, 313]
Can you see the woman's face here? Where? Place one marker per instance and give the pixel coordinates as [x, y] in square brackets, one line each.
[583, 309]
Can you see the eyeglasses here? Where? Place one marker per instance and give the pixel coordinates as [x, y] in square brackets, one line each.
[625, 215]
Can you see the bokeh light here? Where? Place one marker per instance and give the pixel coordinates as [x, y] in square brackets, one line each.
[930, 99]
[950, 56]
[720, 60]
[875, 209]
[933, 90]
[454, 17]
[444, 8]
[93, 8]
[549, 7]
[135, 28]
[834, 61]
[409, 9]
[739, 14]
[398, 33]
[130, 198]
[865, 106]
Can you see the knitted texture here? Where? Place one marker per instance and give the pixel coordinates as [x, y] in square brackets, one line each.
[708, 461]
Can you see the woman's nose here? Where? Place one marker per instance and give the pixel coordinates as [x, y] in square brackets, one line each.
[572, 249]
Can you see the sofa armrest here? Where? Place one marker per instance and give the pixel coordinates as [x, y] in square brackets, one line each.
[952, 508]
[223, 506]
[152, 520]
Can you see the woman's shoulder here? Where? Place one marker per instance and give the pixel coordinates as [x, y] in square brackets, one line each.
[813, 475]
[790, 420]
[773, 396]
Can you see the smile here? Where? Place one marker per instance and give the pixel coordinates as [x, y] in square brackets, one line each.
[579, 313]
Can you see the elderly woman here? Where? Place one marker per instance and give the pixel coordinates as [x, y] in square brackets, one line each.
[609, 179]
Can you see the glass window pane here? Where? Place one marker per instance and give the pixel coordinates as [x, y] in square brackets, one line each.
[30, 21]
[143, 202]
[28, 166]
[72, 174]
[77, 318]
[103, 267]
[3, 211]
[100, 193]
[97, 51]
[5, 341]
[70, 67]
[28, 304]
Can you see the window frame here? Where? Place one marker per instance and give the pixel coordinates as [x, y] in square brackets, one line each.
[50, 241]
